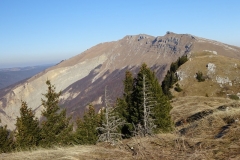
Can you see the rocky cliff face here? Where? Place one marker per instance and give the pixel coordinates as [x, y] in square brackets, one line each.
[83, 78]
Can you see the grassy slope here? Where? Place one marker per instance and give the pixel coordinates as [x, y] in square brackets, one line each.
[225, 68]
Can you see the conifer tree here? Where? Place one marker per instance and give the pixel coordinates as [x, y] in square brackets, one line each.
[86, 132]
[171, 76]
[161, 106]
[124, 104]
[146, 124]
[27, 128]
[136, 110]
[7, 143]
[3, 138]
[56, 129]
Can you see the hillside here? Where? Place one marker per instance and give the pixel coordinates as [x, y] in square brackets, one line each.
[221, 76]
[83, 78]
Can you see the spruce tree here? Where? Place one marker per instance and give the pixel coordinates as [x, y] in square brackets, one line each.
[27, 128]
[7, 143]
[161, 106]
[3, 138]
[136, 110]
[56, 129]
[86, 132]
[124, 104]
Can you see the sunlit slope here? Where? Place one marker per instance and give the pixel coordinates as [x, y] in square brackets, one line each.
[221, 74]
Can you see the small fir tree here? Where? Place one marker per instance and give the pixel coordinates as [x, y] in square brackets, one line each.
[7, 143]
[86, 132]
[4, 138]
[56, 129]
[124, 104]
[27, 129]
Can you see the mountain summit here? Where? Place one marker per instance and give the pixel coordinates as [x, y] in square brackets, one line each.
[83, 78]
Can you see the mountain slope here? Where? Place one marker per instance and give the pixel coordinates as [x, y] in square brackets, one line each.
[83, 78]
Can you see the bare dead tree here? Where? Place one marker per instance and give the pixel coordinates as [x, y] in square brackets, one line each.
[110, 127]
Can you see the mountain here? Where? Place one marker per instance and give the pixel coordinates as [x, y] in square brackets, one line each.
[9, 76]
[83, 78]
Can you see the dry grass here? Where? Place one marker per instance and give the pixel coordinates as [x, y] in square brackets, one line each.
[213, 136]
[184, 107]
[217, 134]
[70, 153]
[225, 67]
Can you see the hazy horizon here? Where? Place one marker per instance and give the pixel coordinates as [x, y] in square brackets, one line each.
[27, 65]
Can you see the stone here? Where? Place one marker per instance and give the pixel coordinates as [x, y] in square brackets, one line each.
[211, 67]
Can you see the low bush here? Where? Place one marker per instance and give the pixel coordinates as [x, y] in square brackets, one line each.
[233, 96]
[178, 88]
[200, 77]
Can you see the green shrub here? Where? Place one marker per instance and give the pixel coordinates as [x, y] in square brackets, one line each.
[200, 77]
[233, 96]
[178, 88]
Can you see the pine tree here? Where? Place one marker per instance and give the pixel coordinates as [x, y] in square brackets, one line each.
[124, 104]
[86, 132]
[27, 129]
[56, 129]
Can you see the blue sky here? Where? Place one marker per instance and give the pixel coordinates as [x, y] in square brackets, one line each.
[35, 32]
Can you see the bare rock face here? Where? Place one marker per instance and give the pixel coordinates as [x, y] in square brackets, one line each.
[223, 80]
[82, 78]
[181, 75]
[211, 67]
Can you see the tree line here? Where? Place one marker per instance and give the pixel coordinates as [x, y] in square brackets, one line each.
[171, 77]
[142, 110]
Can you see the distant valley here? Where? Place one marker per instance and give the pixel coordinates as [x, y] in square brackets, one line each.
[10, 76]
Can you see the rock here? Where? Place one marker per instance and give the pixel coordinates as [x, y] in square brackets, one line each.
[221, 80]
[180, 75]
[235, 65]
[213, 52]
[211, 69]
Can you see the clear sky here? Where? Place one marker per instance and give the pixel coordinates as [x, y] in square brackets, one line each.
[35, 32]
